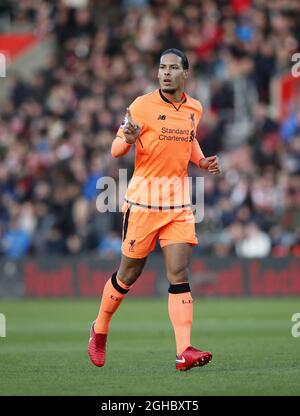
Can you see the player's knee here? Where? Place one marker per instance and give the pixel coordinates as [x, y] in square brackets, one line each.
[178, 274]
[129, 276]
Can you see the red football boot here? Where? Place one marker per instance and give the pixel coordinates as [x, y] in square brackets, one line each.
[192, 357]
[97, 347]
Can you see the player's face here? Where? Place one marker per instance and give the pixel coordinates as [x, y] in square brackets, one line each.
[171, 75]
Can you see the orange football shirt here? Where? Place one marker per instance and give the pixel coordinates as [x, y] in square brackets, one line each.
[166, 145]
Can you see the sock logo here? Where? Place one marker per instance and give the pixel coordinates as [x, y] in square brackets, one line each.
[114, 298]
[187, 301]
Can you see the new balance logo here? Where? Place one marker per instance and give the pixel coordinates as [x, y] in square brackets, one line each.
[181, 361]
[162, 117]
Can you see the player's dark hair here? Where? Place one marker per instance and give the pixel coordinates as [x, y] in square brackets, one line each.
[184, 60]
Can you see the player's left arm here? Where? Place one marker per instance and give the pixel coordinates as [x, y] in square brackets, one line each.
[211, 163]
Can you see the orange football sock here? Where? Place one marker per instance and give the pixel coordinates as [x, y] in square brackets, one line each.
[113, 293]
[180, 308]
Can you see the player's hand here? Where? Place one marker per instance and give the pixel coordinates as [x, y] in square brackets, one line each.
[211, 164]
[131, 129]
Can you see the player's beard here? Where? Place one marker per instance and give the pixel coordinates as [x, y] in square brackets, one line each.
[169, 90]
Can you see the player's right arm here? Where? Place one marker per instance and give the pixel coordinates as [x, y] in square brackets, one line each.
[127, 134]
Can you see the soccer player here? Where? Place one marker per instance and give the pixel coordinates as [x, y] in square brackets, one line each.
[162, 127]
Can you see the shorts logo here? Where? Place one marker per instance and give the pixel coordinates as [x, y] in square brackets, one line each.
[131, 245]
[187, 301]
[161, 117]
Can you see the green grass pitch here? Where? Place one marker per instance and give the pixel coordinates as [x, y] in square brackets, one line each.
[254, 353]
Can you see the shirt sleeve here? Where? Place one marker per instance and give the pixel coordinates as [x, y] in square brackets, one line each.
[197, 153]
[119, 146]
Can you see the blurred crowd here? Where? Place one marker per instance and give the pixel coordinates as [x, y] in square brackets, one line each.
[56, 130]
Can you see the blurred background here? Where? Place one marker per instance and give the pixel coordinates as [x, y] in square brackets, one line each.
[73, 66]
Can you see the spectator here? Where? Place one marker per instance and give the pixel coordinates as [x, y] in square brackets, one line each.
[56, 130]
[255, 243]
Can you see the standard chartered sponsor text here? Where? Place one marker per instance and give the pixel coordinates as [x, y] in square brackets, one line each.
[178, 135]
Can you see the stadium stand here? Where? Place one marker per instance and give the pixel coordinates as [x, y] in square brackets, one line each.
[56, 129]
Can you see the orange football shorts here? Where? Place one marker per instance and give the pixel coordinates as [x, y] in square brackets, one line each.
[142, 227]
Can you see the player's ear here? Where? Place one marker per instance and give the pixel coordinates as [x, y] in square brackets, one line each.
[185, 74]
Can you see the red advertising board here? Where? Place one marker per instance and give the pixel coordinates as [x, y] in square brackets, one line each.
[209, 277]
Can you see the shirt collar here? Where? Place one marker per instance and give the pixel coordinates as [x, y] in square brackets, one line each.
[164, 98]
